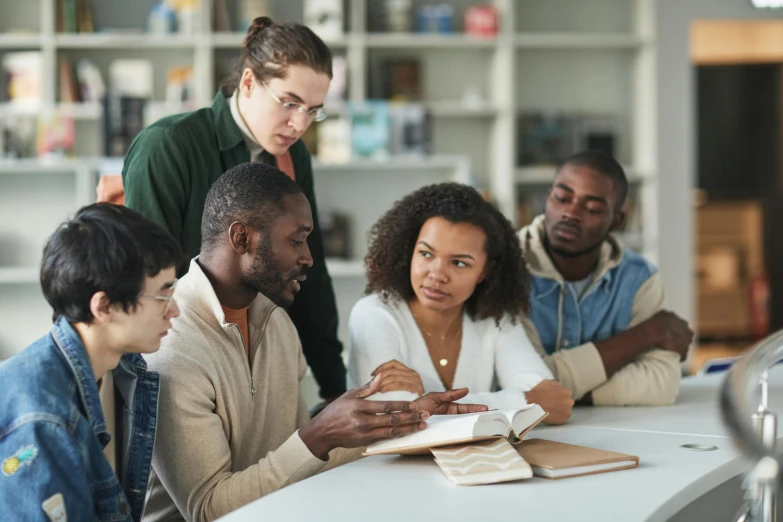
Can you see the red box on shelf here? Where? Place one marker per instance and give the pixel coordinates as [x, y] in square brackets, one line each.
[481, 21]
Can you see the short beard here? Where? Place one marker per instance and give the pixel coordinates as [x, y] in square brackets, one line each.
[265, 276]
[573, 255]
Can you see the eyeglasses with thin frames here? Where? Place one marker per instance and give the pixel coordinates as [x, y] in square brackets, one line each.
[167, 299]
[315, 114]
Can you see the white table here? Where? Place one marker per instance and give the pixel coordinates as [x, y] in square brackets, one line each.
[668, 479]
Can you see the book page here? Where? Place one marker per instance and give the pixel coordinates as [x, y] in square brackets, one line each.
[526, 419]
[443, 429]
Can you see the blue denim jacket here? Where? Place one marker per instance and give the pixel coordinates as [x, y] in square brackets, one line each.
[565, 320]
[52, 434]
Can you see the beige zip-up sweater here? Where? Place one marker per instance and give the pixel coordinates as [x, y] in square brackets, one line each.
[227, 433]
[653, 379]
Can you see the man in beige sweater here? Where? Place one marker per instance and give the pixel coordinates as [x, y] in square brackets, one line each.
[232, 425]
[597, 313]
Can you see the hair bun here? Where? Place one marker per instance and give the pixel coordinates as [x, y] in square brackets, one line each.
[259, 24]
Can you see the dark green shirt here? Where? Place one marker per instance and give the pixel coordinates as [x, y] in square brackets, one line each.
[168, 171]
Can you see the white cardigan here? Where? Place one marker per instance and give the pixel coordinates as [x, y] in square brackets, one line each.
[491, 358]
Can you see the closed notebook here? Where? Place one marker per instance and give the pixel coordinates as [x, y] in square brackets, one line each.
[446, 430]
[482, 463]
[556, 460]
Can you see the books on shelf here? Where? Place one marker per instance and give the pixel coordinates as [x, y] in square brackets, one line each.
[336, 232]
[334, 140]
[179, 86]
[324, 17]
[24, 73]
[18, 135]
[56, 135]
[411, 129]
[447, 430]
[397, 79]
[549, 138]
[91, 85]
[370, 129]
[123, 119]
[74, 16]
[558, 460]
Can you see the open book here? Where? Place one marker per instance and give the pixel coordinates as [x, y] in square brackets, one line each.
[555, 460]
[446, 430]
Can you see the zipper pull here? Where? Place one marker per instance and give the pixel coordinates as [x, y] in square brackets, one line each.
[252, 387]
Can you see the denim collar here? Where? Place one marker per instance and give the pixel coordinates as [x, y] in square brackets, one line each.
[75, 353]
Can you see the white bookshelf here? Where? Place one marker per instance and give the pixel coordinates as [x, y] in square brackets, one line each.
[550, 55]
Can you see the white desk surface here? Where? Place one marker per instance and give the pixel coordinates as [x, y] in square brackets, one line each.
[393, 488]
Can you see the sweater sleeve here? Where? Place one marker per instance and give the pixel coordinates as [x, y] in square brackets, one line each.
[314, 311]
[375, 338]
[580, 369]
[653, 378]
[192, 457]
[518, 368]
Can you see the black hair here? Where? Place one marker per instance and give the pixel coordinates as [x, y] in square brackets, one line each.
[108, 248]
[605, 165]
[505, 290]
[251, 193]
[269, 48]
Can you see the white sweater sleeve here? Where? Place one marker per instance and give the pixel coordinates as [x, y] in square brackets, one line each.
[518, 368]
[375, 338]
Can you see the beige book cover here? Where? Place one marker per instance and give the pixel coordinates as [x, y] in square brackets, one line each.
[556, 460]
[482, 463]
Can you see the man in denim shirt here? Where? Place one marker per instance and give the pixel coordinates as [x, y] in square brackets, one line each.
[597, 313]
[109, 275]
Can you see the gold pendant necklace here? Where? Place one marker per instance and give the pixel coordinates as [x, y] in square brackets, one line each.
[443, 361]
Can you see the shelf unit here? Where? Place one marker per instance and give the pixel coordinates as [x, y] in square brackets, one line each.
[549, 55]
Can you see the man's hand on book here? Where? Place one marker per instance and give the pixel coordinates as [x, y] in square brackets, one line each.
[398, 377]
[442, 403]
[352, 422]
[553, 399]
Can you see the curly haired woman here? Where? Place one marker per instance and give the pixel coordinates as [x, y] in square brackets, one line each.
[446, 284]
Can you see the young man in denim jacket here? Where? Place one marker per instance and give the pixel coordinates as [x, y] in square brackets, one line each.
[597, 309]
[109, 275]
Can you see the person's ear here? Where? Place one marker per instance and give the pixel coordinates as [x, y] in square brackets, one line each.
[247, 82]
[100, 307]
[239, 237]
[618, 220]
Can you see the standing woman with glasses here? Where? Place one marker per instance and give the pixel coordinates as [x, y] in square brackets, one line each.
[260, 114]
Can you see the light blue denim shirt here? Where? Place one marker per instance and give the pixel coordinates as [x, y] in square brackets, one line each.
[53, 433]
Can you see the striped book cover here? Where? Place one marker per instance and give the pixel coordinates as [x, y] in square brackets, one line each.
[482, 463]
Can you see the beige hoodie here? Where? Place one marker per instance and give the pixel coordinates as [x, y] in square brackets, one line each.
[227, 433]
[652, 379]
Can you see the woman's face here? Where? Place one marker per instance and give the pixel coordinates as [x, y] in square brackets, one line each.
[277, 128]
[448, 262]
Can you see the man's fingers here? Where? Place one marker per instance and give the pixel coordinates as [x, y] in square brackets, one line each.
[469, 408]
[451, 395]
[392, 432]
[365, 391]
[395, 419]
[387, 406]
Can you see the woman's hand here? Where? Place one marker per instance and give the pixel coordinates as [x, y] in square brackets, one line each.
[398, 377]
[554, 399]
